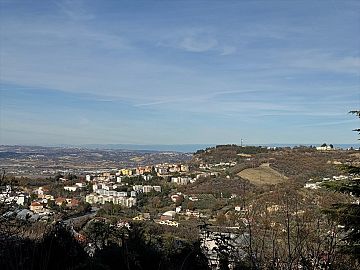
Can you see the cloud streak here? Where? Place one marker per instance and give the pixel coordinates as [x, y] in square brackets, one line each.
[326, 62]
[75, 10]
[197, 40]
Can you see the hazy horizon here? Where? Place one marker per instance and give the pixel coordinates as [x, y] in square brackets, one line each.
[179, 72]
[185, 148]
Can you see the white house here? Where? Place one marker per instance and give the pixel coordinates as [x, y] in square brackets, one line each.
[71, 188]
[147, 189]
[80, 184]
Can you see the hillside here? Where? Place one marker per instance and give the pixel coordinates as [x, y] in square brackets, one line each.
[262, 175]
[299, 163]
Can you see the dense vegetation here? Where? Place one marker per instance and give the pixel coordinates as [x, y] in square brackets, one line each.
[137, 248]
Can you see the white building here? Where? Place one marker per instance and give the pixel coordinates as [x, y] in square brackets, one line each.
[312, 185]
[80, 184]
[71, 188]
[94, 198]
[146, 177]
[147, 189]
[137, 188]
[325, 147]
[180, 180]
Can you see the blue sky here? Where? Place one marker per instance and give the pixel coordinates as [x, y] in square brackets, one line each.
[179, 72]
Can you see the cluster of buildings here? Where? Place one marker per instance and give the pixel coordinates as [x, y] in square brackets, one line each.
[105, 187]
[316, 185]
[165, 169]
[8, 196]
[221, 164]
[146, 188]
[109, 187]
[41, 204]
[102, 199]
[109, 193]
[75, 187]
[325, 147]
[168, 223]
[159, 169]
[184, 180]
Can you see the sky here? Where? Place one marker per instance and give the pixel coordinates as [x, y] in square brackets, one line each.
[179, 72]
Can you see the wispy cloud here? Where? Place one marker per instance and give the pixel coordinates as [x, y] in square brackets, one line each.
[155, 103]
[75, 9]
[198, 41]
[60, 35]
[322, 61]
[328, 123]
[193, 44]
[156, 64]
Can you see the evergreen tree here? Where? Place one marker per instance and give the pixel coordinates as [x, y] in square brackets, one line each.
[348, 215]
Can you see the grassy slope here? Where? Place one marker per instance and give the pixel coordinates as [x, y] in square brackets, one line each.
[262, 175]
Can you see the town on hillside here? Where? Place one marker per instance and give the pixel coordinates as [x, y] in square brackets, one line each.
[227, 198]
